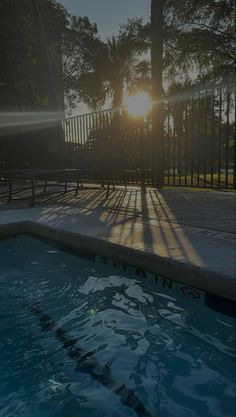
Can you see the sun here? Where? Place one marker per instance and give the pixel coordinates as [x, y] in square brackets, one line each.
[138, 105]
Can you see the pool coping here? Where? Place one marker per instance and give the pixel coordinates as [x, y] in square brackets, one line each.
[188, 274]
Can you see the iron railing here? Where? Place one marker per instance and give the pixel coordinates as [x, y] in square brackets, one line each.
[110, 141]
[200, 139]
[199, 142]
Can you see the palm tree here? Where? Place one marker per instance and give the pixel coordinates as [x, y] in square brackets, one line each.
[113, 68]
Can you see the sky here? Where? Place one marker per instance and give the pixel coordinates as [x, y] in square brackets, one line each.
[109, 14]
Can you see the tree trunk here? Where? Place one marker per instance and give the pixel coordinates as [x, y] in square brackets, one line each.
[157, 23]
[117, 95]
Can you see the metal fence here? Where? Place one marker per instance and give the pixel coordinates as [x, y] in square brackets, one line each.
[111, 141]
[199, 140]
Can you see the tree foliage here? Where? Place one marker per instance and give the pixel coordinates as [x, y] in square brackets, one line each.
[199, 38]
[42, 48]
[24, 72]
[205, 36]
[79, 43]
[70, 58]
[108, 69]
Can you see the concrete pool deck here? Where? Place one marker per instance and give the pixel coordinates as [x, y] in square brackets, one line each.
[185, 235]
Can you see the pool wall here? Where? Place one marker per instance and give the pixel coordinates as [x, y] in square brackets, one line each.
[191, 275]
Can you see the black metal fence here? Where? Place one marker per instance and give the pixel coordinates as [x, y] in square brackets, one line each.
[199, 142]
[111, 141]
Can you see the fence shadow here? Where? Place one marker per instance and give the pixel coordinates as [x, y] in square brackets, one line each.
[167, 222]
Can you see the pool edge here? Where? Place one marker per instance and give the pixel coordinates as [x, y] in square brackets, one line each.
[191, 275]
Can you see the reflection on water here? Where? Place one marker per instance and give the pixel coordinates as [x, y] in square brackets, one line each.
[174, 354]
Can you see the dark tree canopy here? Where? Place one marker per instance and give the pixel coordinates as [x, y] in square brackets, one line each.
[42, 48]
[108, 69]
[80, 44]
[25, 79]
[199, 38]
[47, 54]
[202, 34]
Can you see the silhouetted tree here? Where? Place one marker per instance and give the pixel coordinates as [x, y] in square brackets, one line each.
[79, 43]
[25, 80]
[42, 49]
[111, 67]
[199, 38]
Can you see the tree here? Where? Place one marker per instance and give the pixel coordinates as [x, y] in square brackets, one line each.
[24, 74]
[42, 48]
[199, 38]
[79, 43]
[202, 36]
[109, 68]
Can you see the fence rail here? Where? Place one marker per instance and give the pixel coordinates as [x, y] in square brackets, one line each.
[199, 142]
[200, 138]
[109, 140]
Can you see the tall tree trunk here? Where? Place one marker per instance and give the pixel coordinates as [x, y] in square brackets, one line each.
[157, 25]
[117, 95]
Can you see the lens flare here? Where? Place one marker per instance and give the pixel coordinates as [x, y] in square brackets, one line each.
[138, 105]
[29, 121]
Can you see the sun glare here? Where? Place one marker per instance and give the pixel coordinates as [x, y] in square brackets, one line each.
[138, 104]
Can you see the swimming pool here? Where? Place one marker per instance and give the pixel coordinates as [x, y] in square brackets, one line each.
[82, 336]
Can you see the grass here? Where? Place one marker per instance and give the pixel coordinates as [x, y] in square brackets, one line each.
[206, 181]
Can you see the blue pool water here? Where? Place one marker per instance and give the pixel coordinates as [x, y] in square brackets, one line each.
[82, 337]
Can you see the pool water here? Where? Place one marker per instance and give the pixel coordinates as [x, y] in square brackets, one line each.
[80, 337]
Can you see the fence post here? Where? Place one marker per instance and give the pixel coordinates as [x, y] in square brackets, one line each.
[157, 24]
